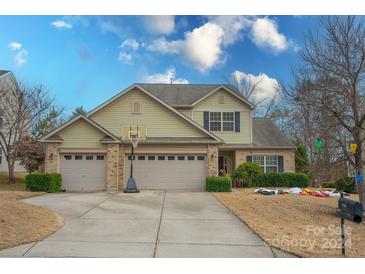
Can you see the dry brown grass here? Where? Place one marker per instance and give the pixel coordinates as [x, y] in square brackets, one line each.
[22, 223]
[282, 221]
[19, 185]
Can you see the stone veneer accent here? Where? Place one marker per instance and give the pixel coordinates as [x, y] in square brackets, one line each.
[212, 160]
[112, 169]
[121, 185]
[289, 156]
[52, 158]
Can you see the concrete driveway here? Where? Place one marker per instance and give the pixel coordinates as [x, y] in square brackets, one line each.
[148, 224]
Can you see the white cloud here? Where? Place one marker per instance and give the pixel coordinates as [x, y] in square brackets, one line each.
[205, 47]
[60, 24]
[21, 57]
[265, 34]
[161, 24]
[166, 47]
[201, 47]
[130, 44]
[124, 57]
[266, 87]
[15, 46]
[164, 78]
[233, 26]
[20, 53]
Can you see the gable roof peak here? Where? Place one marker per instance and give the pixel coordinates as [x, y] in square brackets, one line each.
[188, 94]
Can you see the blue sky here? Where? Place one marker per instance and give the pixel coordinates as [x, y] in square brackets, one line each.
[84, 60]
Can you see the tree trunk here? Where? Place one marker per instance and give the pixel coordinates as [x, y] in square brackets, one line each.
[11, 171]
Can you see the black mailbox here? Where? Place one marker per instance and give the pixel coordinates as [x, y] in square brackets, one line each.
[350, 210]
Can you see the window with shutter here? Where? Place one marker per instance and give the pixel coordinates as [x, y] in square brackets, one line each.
[206, 120]
[237, 121]
[268, 163]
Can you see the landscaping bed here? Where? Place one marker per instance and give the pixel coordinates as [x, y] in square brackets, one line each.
[22, 223]
[306, 226]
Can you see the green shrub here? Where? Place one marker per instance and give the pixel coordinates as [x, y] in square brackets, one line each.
[219, 184]
[329, 184]
[346, 184]
[47, 182]
[248, 172]
[282, 180]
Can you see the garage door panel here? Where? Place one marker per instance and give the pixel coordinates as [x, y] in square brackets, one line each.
[82, 175]
[168, 174]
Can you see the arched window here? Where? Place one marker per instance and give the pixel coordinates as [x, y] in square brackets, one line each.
[221, 99]
[136, 107]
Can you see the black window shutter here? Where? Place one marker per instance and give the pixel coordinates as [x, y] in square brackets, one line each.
[206, 120]
[249, 158]
[281, 163]
[237, 122]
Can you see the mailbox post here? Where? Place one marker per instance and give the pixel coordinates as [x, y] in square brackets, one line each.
[349, 210]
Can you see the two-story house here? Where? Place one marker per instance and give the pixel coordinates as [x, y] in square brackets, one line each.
[187, 132]
[7, 83]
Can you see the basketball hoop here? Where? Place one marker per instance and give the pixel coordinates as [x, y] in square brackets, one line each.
[134, 136]
[131, 184]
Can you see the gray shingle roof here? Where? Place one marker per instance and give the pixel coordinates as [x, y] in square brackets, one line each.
[2, 72]
[267, 134]
[183, 94]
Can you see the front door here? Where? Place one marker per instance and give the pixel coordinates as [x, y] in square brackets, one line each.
[220, 163]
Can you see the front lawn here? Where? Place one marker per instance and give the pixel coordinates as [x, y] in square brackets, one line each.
[22, 223]
[307, 226]
[19, 185]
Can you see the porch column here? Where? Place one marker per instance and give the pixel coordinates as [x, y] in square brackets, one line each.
[112, 158]
[52, 158]
[212, 160]
[121, 174]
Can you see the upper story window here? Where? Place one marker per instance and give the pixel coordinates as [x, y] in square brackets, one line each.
[268, 163]
[221, 121]
[215, 121]
[221, 99]
[136, 107]
[228, 121]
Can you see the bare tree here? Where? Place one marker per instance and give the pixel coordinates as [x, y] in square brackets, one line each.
[21, 109]
[251, 87]
[334, 74]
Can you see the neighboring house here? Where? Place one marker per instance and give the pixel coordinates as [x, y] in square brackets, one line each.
[8, 82]
[187, 132]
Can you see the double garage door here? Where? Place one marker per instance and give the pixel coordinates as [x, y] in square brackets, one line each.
[83, 172]
[168, 171]
[87, 172]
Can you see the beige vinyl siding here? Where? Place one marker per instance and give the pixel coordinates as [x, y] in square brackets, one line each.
[81, 135]
[169, 149]
[186, 112]
[156, 118]
[231, 103]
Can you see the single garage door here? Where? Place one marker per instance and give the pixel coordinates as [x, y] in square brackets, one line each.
[83, 172]
[168, 171]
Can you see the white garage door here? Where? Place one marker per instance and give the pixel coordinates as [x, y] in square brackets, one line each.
[83, 172]
[168, 171]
